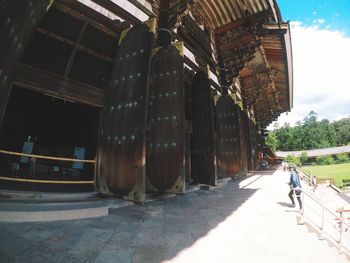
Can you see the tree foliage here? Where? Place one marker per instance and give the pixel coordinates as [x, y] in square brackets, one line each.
[324, 160]
[272, 141]
[304, 158]
[310, 134]
[342, 129]
[294, 160]
[342, 158]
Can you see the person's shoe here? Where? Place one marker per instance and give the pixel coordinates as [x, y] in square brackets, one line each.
[292, 205]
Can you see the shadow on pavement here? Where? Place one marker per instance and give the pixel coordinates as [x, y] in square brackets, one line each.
[285, 204]
[154, 232]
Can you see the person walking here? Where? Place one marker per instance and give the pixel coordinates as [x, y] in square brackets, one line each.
[295, 186]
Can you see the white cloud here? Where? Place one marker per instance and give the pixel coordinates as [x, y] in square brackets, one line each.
[321, 73]
[318, 21]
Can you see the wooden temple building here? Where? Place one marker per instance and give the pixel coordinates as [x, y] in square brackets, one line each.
[148, 95]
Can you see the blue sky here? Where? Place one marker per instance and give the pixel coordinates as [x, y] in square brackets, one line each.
[320, 33]
[334, 14]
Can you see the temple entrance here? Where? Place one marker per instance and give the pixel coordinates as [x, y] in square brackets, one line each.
[47, 126]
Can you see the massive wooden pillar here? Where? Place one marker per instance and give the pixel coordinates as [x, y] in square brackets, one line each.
[18, 20]
[244, 141]
[253, 144]
[122, 152]
[166, 123]
[228, 138]
[202, 140]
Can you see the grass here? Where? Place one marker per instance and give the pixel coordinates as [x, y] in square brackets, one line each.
[336, 171]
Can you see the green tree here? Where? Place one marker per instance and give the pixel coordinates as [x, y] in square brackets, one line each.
[271, 140]
[342, 129]
[303, 158]
[285, 138]
[294, 160]
[310, 134]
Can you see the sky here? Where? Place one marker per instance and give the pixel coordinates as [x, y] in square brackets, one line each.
[321, 58]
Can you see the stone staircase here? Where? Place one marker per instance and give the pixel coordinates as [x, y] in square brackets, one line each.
[21, 206]
[317, 246]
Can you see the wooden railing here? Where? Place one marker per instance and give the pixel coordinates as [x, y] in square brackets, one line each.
[52, 158]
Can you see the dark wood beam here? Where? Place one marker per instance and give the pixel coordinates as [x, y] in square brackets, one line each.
[117, 10]
[55, 85]
[244, 40]
[191, 64]
[142, 8]
[16, 30]
[74, 44]
[164, 14]
[194, 46]
[96, 19]
[74, 52]
[256, 18]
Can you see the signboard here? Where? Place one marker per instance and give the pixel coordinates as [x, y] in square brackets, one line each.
[27, 148]
[79, 153]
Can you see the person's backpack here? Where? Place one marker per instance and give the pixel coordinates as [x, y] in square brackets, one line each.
[294, 180]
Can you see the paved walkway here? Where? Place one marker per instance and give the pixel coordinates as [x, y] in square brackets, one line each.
[247, 221]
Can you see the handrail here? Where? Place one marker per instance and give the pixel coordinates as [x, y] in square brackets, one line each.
[306, 176]
[319, 202]
[57, 159]
[46, 181]
[343, 210]
[47, 157]
[343, 223]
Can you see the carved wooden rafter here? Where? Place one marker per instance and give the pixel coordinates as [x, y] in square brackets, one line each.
[238, 46]
[169, 12]
[200, 17]
[258, 87]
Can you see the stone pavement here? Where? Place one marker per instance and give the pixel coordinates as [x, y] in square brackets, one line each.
[246, 221]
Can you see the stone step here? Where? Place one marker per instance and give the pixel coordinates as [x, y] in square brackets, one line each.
[25, 206]
[41, 212]
[9, 195]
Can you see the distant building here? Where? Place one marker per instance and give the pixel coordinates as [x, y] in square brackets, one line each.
[316, 152]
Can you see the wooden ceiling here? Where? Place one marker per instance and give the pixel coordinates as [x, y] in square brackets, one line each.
[220, 13]
[250, 41]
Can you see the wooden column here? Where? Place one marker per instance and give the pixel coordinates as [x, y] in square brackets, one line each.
[244, 141]
[164, 33]
[166, 123]
[253, 144]
[203, 137]
[122, 153]
[19, 19]
[228, 137]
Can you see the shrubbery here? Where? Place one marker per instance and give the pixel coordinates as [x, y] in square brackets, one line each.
[304, 158]
[324, 160]
[294, 160]
[342, 158]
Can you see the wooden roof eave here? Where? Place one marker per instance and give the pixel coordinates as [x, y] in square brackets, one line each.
[281, 56]
[289, 58]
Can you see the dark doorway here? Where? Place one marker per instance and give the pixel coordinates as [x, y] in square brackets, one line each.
[54, 127]
[203, 148]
